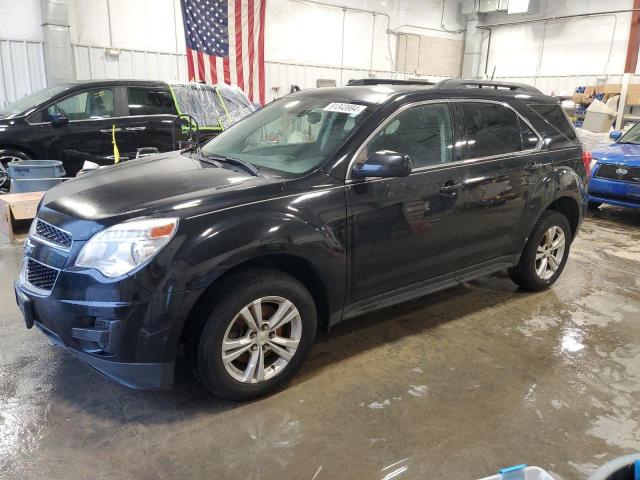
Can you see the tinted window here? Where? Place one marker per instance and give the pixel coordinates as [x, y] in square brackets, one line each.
[491, 129]
[92, 104]
[147, 101]
[555, 116]
[423, 132]
[528, 138]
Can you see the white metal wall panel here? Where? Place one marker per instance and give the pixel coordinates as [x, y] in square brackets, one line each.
[562, 85]
[94, 63]
[22, 69]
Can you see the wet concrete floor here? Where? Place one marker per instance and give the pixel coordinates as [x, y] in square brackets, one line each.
[452, 386]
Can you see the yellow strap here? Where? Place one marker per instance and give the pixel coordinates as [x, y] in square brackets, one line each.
[116, 152]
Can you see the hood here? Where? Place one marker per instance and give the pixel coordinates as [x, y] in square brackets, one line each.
[622, 153]
[173, 182]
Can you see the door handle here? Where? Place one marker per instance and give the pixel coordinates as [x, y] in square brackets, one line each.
[533, 166]
[135, 129]
[450, 188]
[109, 130]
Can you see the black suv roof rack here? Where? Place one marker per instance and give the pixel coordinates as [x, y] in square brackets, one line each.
[387, 81]
[462, 83]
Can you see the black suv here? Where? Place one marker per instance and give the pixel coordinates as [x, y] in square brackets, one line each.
[75, 121]
[323, 206]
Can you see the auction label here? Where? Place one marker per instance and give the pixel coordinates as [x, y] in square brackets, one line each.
[351, 108]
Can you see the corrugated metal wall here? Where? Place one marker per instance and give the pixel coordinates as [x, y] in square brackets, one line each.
[21, 69]
[92, 63]
[562, 85]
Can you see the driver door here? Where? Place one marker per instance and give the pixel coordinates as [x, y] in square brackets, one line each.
[403, 230]
[92, 115]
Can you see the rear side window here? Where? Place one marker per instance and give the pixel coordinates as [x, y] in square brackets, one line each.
[491, 129]
[555, 116]
[150, 101]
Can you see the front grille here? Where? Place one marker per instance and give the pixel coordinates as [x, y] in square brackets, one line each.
[40, 275]
[615, 171]
[53, 234]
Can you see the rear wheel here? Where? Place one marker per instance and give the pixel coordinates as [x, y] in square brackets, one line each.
[6, 156]
[545, 254]
[255, 336]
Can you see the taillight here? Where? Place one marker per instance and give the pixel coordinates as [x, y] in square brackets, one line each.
[586, 159]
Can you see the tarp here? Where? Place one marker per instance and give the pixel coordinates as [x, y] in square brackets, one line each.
[213, 106]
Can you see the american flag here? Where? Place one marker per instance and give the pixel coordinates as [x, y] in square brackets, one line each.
[225, 43]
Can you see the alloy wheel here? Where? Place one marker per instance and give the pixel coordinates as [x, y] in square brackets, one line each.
[261, 339]
[550, 252]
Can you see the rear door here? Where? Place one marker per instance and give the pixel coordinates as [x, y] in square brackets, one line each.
[505, 163]
[398, 226]
[150, 119]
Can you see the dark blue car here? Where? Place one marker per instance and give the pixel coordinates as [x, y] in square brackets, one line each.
[615, 170]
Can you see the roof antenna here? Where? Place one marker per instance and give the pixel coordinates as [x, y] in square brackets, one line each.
[493, 73]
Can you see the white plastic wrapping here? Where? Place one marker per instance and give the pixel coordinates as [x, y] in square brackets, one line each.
[593, 141]
[213, 106]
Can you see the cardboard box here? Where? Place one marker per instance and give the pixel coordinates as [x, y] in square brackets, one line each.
[633, 99]
[589, 91]
[581, 98]
[612, 88]
[17, 210]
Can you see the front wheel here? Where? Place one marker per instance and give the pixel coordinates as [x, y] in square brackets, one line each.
[545, 254]
[256, 336]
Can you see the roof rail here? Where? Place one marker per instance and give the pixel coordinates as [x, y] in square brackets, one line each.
[387, 81]
[462, 83]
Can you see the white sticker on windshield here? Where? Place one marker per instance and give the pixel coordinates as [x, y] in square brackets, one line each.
[350, 108]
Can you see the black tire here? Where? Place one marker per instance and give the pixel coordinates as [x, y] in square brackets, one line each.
[8, 154]
[524, 274]
[594, 205]
[204, 342]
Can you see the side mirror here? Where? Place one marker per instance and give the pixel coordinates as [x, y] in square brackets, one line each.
[58, 119]
[615, 134]
[384, 163]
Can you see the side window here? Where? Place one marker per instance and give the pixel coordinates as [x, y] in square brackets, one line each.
[491, 129]
[528, 138]
[150, 101]
[423, 132]
[92, 104]
[554, 114]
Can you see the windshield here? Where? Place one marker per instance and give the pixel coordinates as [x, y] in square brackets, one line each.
[632, 136]
[291, 136]
[30, 101]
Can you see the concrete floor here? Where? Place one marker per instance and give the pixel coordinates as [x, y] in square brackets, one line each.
[452, 386]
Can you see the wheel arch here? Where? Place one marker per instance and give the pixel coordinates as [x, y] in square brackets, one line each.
[19, 148]
[298, 267]
[570, 208]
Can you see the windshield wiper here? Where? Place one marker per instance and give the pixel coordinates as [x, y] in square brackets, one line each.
[248, 167]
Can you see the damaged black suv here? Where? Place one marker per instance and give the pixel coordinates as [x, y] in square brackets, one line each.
[322, 206]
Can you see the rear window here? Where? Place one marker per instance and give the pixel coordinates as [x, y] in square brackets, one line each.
[148, 101]
[553, 114]
[494, 130]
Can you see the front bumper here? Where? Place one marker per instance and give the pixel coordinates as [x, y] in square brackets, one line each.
[131, 338]
[614, 192]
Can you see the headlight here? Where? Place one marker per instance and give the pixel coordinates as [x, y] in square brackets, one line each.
[119, 249]
[594, 161]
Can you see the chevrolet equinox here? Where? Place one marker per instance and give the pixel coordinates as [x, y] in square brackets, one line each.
[325, 205]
